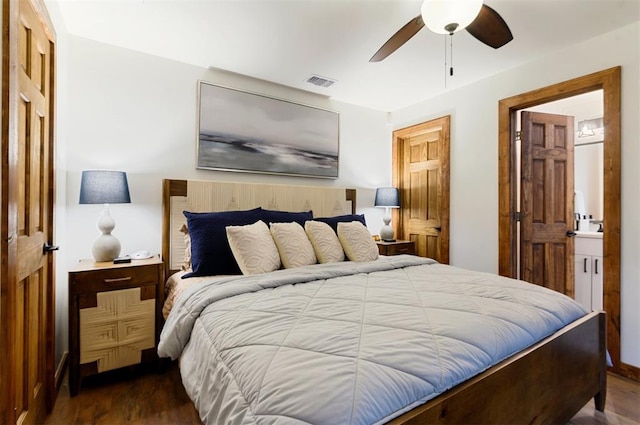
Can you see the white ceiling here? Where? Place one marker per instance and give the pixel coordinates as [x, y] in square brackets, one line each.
[285, 41]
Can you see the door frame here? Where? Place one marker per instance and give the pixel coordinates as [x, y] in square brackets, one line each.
[609, 81]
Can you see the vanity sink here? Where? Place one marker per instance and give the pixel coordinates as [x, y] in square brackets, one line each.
[589, 234]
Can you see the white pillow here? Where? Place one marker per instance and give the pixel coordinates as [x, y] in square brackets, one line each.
[293, 245]
[186, 265]
[325, 242]
[253, 248]
[357, 242]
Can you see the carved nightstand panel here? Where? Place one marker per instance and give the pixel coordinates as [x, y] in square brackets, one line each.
[115, 332]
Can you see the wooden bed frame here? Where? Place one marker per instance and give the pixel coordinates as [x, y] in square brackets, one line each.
[546, 383]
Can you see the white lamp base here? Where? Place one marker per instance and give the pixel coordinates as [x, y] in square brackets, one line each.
[386, 232]
[107, 246]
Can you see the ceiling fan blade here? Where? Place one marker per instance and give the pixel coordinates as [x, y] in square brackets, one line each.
[490, 28]
[398, 39]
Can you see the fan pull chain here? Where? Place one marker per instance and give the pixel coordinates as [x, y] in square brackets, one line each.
[450, 58]
[451, 53]
[445, 62]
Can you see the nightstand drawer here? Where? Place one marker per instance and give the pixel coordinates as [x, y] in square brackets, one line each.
[97, 280]
[401, 249]
[396, 248]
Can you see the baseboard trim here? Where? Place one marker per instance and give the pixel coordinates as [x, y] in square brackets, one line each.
[630, 371]
[61, 370]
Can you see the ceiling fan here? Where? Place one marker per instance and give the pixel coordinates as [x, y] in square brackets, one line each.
[448, 17]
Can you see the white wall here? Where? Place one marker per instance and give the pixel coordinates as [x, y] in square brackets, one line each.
[120, 109]
[60, 212]
[474, 157]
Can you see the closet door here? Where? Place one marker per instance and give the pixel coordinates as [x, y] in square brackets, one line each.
[27, 313]
[421, 173]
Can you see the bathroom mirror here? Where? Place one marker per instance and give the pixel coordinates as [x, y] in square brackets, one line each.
[589, 176]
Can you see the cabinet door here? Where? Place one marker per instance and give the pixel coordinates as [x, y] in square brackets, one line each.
[596, 283]
[118, 328]
[583, 280]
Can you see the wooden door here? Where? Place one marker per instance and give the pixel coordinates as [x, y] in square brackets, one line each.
[547, 215]
[27, 282]
[421, 173]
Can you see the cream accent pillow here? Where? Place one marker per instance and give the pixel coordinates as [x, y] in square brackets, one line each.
[253, 248]
[293, 245]
[325, 242]
[186, 266]
[357, 242]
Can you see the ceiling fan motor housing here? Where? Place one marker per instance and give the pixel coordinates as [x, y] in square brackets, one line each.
[449, 16]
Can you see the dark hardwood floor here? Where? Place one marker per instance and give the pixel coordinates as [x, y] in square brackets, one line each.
[129, 396]
[134, 397]
[622, 407]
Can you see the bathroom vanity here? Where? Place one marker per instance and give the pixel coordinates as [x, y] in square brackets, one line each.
[588, 270]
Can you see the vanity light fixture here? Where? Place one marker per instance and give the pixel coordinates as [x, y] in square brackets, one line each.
[585, 131]
[590, 127]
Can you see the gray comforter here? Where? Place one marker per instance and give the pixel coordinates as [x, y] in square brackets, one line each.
[349, 343]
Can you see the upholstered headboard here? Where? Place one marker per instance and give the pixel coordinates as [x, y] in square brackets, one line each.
[200, 196]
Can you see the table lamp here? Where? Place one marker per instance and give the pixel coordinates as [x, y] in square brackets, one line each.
[387, 197]
[105, 187]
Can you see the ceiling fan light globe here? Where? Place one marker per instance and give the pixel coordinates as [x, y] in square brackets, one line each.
[438, 14]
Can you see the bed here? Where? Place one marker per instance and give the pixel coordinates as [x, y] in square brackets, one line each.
[345, 342]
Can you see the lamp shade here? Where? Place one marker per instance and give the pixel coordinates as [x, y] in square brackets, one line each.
[438, 15]
[104, 187]
[387, 197]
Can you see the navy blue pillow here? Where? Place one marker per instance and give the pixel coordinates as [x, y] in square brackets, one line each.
[271, 216]
[210, 250]
[333, 221]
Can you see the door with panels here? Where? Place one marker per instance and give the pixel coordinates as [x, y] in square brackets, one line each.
[27, 313]
[421, 173]
[546, 200]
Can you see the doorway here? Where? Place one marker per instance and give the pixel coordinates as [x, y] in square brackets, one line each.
[580, 251]
[609, 81]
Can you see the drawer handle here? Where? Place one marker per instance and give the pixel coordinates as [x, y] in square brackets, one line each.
[596, 266]
[585, 264]
[118, 280]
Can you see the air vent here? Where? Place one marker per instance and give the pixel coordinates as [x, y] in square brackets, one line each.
[319, 81]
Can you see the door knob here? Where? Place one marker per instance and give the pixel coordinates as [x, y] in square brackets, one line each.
[48, 248]
[570, 233]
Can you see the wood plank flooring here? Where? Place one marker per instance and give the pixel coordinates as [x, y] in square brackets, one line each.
[126, 396]
[622, 407]
[134, 397]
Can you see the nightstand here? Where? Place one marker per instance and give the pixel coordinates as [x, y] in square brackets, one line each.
[114, 316]
[396, 248]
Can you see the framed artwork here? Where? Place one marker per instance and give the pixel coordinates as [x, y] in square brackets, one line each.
[248, 132]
